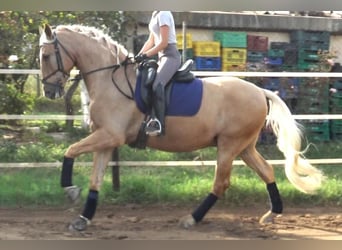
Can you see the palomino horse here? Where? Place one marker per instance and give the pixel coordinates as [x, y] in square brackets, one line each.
[230, 116]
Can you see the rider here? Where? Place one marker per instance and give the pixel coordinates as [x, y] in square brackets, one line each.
[162, 41]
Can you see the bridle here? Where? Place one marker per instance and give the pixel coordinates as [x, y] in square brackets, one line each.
[60, 68]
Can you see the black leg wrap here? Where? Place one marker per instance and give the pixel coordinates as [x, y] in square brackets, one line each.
[200, 212]
[90, 206]
[66, 176]
[276, 203]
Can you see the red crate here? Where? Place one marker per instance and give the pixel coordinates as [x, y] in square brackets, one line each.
[257, 43]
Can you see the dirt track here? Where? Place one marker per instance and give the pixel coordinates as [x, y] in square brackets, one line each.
[161, 222]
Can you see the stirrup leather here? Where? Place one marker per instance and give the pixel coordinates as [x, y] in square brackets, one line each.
[150, 125]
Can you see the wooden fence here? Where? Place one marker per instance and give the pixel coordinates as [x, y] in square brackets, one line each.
[116, 163]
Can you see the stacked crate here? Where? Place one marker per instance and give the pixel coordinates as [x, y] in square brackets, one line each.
[310, 44]
[336, 108]
[207, 55]
[288, 54]
[314, 99]
[189, 54]
[257, 47]
[313, 92]
[233, 50]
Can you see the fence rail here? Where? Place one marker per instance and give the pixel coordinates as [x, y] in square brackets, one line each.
[172, 163]
[333, 161]
[206, 73]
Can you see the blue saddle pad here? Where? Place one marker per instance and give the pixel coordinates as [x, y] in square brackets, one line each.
[185, 98]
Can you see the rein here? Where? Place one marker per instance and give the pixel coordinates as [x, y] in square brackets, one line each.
[115, 67]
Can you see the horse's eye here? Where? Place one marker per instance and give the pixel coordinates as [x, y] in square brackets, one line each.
[45, 57]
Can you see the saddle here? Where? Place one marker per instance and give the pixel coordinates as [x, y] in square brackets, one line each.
[147, 72]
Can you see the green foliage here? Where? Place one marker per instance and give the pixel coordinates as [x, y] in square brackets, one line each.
[12, 101]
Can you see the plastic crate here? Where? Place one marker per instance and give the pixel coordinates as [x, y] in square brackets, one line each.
[255, 56]
[274, 61]
[231, 39]
[318, 136]
[233, 67]
[337, 84]
[189, 53]
[308, 54]
[279, 45]
[302, 35]
[257, 43]
[290, 56]
[313, 45]
[307, 65]
[276, 53]
[271, 83]
[318, 126]
[188, 41]
[206, 49]
[255, 66]
[207, 63]
[233, 56]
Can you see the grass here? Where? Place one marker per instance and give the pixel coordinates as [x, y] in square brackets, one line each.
[41, 187]
[146, 185]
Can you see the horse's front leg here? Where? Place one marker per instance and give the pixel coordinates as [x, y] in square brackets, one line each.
[101, 160]
[97, 141]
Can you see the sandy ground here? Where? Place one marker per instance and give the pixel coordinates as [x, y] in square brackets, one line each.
[152, 222]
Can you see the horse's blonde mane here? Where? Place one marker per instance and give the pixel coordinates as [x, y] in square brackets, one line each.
[96, 34]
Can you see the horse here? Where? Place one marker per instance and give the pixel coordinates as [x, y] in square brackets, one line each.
[230, 117]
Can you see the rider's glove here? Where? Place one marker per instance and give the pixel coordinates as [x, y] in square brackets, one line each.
[140, 57]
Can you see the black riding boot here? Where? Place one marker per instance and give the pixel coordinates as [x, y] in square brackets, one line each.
[156, 125]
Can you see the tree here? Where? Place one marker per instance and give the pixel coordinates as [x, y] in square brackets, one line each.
[19, 34]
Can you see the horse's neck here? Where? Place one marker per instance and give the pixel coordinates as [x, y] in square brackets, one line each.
[92, 56]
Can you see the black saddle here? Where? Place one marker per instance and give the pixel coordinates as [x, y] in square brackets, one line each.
[148, 71]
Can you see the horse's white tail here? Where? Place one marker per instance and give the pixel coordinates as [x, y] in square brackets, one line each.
[299, 171]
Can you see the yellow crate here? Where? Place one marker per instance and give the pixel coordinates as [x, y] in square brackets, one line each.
[233, 67]
[188, 41]
[206, 49]
[234, 56]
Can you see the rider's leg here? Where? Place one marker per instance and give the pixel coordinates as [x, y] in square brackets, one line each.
[169, 62]
[156, 125]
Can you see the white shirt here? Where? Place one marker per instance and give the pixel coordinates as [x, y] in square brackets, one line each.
[160, 19]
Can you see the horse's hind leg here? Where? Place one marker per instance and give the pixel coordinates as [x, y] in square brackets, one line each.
[221, 183]
[255, 161]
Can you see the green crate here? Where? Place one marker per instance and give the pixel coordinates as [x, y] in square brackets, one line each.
[309, 55]
[308, 65]
[302, 35]
[276, 53]
[318, 137]
[231, 39]
[317, 126]
[189, 53]
[256, 56]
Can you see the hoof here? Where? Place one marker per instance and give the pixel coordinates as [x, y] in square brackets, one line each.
[187, 222]
[268, 218]
[79, 224]
[73, 193]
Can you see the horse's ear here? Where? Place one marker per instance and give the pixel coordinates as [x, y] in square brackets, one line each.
[48, 31]
[41, 30]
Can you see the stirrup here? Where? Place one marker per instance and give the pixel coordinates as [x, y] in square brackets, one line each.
[153, 127]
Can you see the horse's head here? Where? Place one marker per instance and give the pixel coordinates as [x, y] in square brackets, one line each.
[55, 63]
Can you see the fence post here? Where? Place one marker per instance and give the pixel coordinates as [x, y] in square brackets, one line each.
[116, 170]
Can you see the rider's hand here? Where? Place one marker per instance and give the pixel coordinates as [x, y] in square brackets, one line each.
[140, 57]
